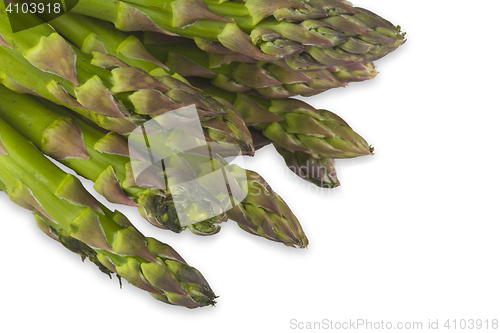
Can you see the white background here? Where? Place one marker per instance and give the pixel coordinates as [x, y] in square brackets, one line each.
[411, 235]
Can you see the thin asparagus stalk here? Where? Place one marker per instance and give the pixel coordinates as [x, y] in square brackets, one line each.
[60, 200]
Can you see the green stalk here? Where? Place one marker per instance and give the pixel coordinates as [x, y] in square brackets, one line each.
[330, 138]
[96, 155]
[62, 80]
[92, 35]
[308, 139]
[238, 73]
[116, 96]
[339, 141]
[229, 9]
[295, 125]
[21, 76]
[60, 200]
[317, 170]
[142, 18]
[98, 39]
[339, 35]
[103, 158]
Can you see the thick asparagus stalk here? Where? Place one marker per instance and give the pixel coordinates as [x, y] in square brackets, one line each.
[60, 200]
[116, 99]
[340, 35]
[104, 159]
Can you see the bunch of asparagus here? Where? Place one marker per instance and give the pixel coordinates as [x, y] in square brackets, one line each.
[80, 88]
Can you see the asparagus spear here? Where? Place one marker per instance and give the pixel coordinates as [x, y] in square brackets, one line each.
[264, 213]
[342, 34]
[318, 170]
[80, 30]
[183, 57]
[58, 234]
[60, 200]
[285, 122]
[116, 99]
[185, 276]
[295, 125]
[237, 73]
[95, 155]
[104, 159]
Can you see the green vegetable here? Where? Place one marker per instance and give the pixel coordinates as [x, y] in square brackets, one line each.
[104, 159]
[317, 170]
[295, 125]
[339, 141]
[96, 155]
[328, 32]
[115, 96]
[264, 213]
[60, 201]
[237, 73]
